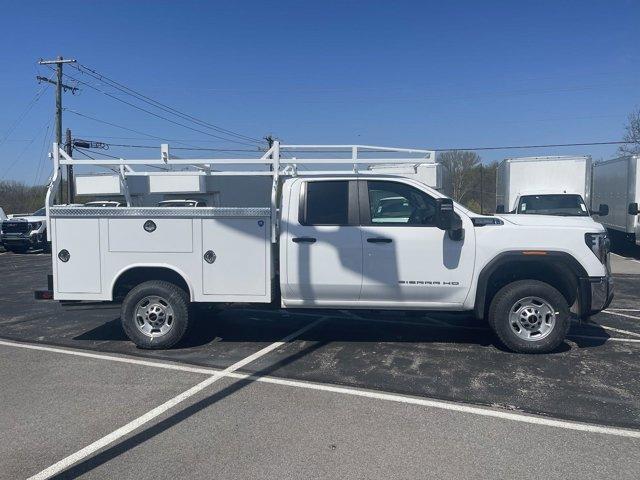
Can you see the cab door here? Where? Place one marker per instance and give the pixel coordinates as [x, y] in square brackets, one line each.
[407, 260]
[323, 243]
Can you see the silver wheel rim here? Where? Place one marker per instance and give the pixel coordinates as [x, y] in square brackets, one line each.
[154, 316]
[532, 318]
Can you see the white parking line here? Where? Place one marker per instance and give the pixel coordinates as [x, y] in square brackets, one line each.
[622, 310]
[112, 358]
[617, 330]
[607, 339]
[626, 315]
[452, 406]
[626, 258]
[159, 410]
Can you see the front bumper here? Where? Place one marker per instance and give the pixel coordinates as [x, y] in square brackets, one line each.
[33, 239]
[596, 293]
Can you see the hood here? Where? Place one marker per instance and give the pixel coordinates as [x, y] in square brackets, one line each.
[552, 221]
[26, 218]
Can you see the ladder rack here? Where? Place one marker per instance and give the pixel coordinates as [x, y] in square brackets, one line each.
[279, 160]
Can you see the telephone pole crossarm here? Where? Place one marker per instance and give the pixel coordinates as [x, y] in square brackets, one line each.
[64, 86]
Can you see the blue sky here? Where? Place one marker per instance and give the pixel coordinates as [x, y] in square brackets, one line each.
[422, 74]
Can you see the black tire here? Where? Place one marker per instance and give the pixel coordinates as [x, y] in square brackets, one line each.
[508, 297]
[175, 297]
[46, 248]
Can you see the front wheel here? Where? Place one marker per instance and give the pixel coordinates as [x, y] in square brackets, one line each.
[530, 316]
[155, 314]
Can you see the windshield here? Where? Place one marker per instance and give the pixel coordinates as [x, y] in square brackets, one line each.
[564, 205]
[40, 213]
[181, 203]
[101, 204]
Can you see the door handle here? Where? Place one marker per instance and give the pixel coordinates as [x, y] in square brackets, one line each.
[379, 240]
[304, 240]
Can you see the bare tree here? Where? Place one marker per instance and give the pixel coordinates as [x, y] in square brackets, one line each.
[460, 167]
[17, 197]
[632, 135]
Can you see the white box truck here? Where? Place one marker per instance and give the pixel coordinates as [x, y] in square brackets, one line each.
[554, 185]
[616, 184]
[328, 239]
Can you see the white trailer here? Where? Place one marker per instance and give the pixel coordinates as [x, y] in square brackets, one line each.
[554, 185]
[326, 239]
[616, 184]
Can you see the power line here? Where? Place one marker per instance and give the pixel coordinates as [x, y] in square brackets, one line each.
[24, 113]
[137, 107]
[124, 128]
[6, 171]
[582, 144]
[155, 147]
[82, 150]
[123, 88]
[42, 150]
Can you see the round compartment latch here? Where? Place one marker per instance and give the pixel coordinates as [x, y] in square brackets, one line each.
[209, 256]
[149, 226]
[64, 255]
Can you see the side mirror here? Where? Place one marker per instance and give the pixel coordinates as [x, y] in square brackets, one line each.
[500, 209]
[603, 210]
[446, 218]
[633, 209]
[444, 213]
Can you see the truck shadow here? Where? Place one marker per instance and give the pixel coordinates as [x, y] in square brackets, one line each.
[237, 326]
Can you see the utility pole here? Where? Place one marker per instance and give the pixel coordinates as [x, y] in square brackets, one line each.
[68, 146]
[269, 138]
[59, 88]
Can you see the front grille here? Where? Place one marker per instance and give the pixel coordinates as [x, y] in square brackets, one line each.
[15, 227]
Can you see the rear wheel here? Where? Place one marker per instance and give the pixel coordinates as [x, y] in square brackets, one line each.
[155, 314]
[530, 316]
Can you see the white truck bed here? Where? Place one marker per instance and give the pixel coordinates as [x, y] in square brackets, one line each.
[106, 241]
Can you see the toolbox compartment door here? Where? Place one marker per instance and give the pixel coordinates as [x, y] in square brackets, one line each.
[81, 238]
[241, 249]
[166, 235]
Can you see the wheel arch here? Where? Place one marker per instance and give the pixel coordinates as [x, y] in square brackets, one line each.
[559, 269]
[133, 275]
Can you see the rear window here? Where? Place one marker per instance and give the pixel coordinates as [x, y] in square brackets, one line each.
[327, 203]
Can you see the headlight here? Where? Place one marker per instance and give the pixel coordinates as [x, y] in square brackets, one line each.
[599, 244]
[35, 225]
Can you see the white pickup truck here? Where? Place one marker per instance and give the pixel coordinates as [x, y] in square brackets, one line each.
[23, 232]
[327, 240]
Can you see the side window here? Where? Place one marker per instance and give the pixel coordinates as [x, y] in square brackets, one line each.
[326, 203]
[393, 203]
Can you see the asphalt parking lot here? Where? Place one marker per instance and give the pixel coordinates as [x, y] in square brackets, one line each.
[259, 393]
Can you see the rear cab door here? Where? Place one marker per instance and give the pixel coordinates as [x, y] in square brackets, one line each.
[321, 243]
